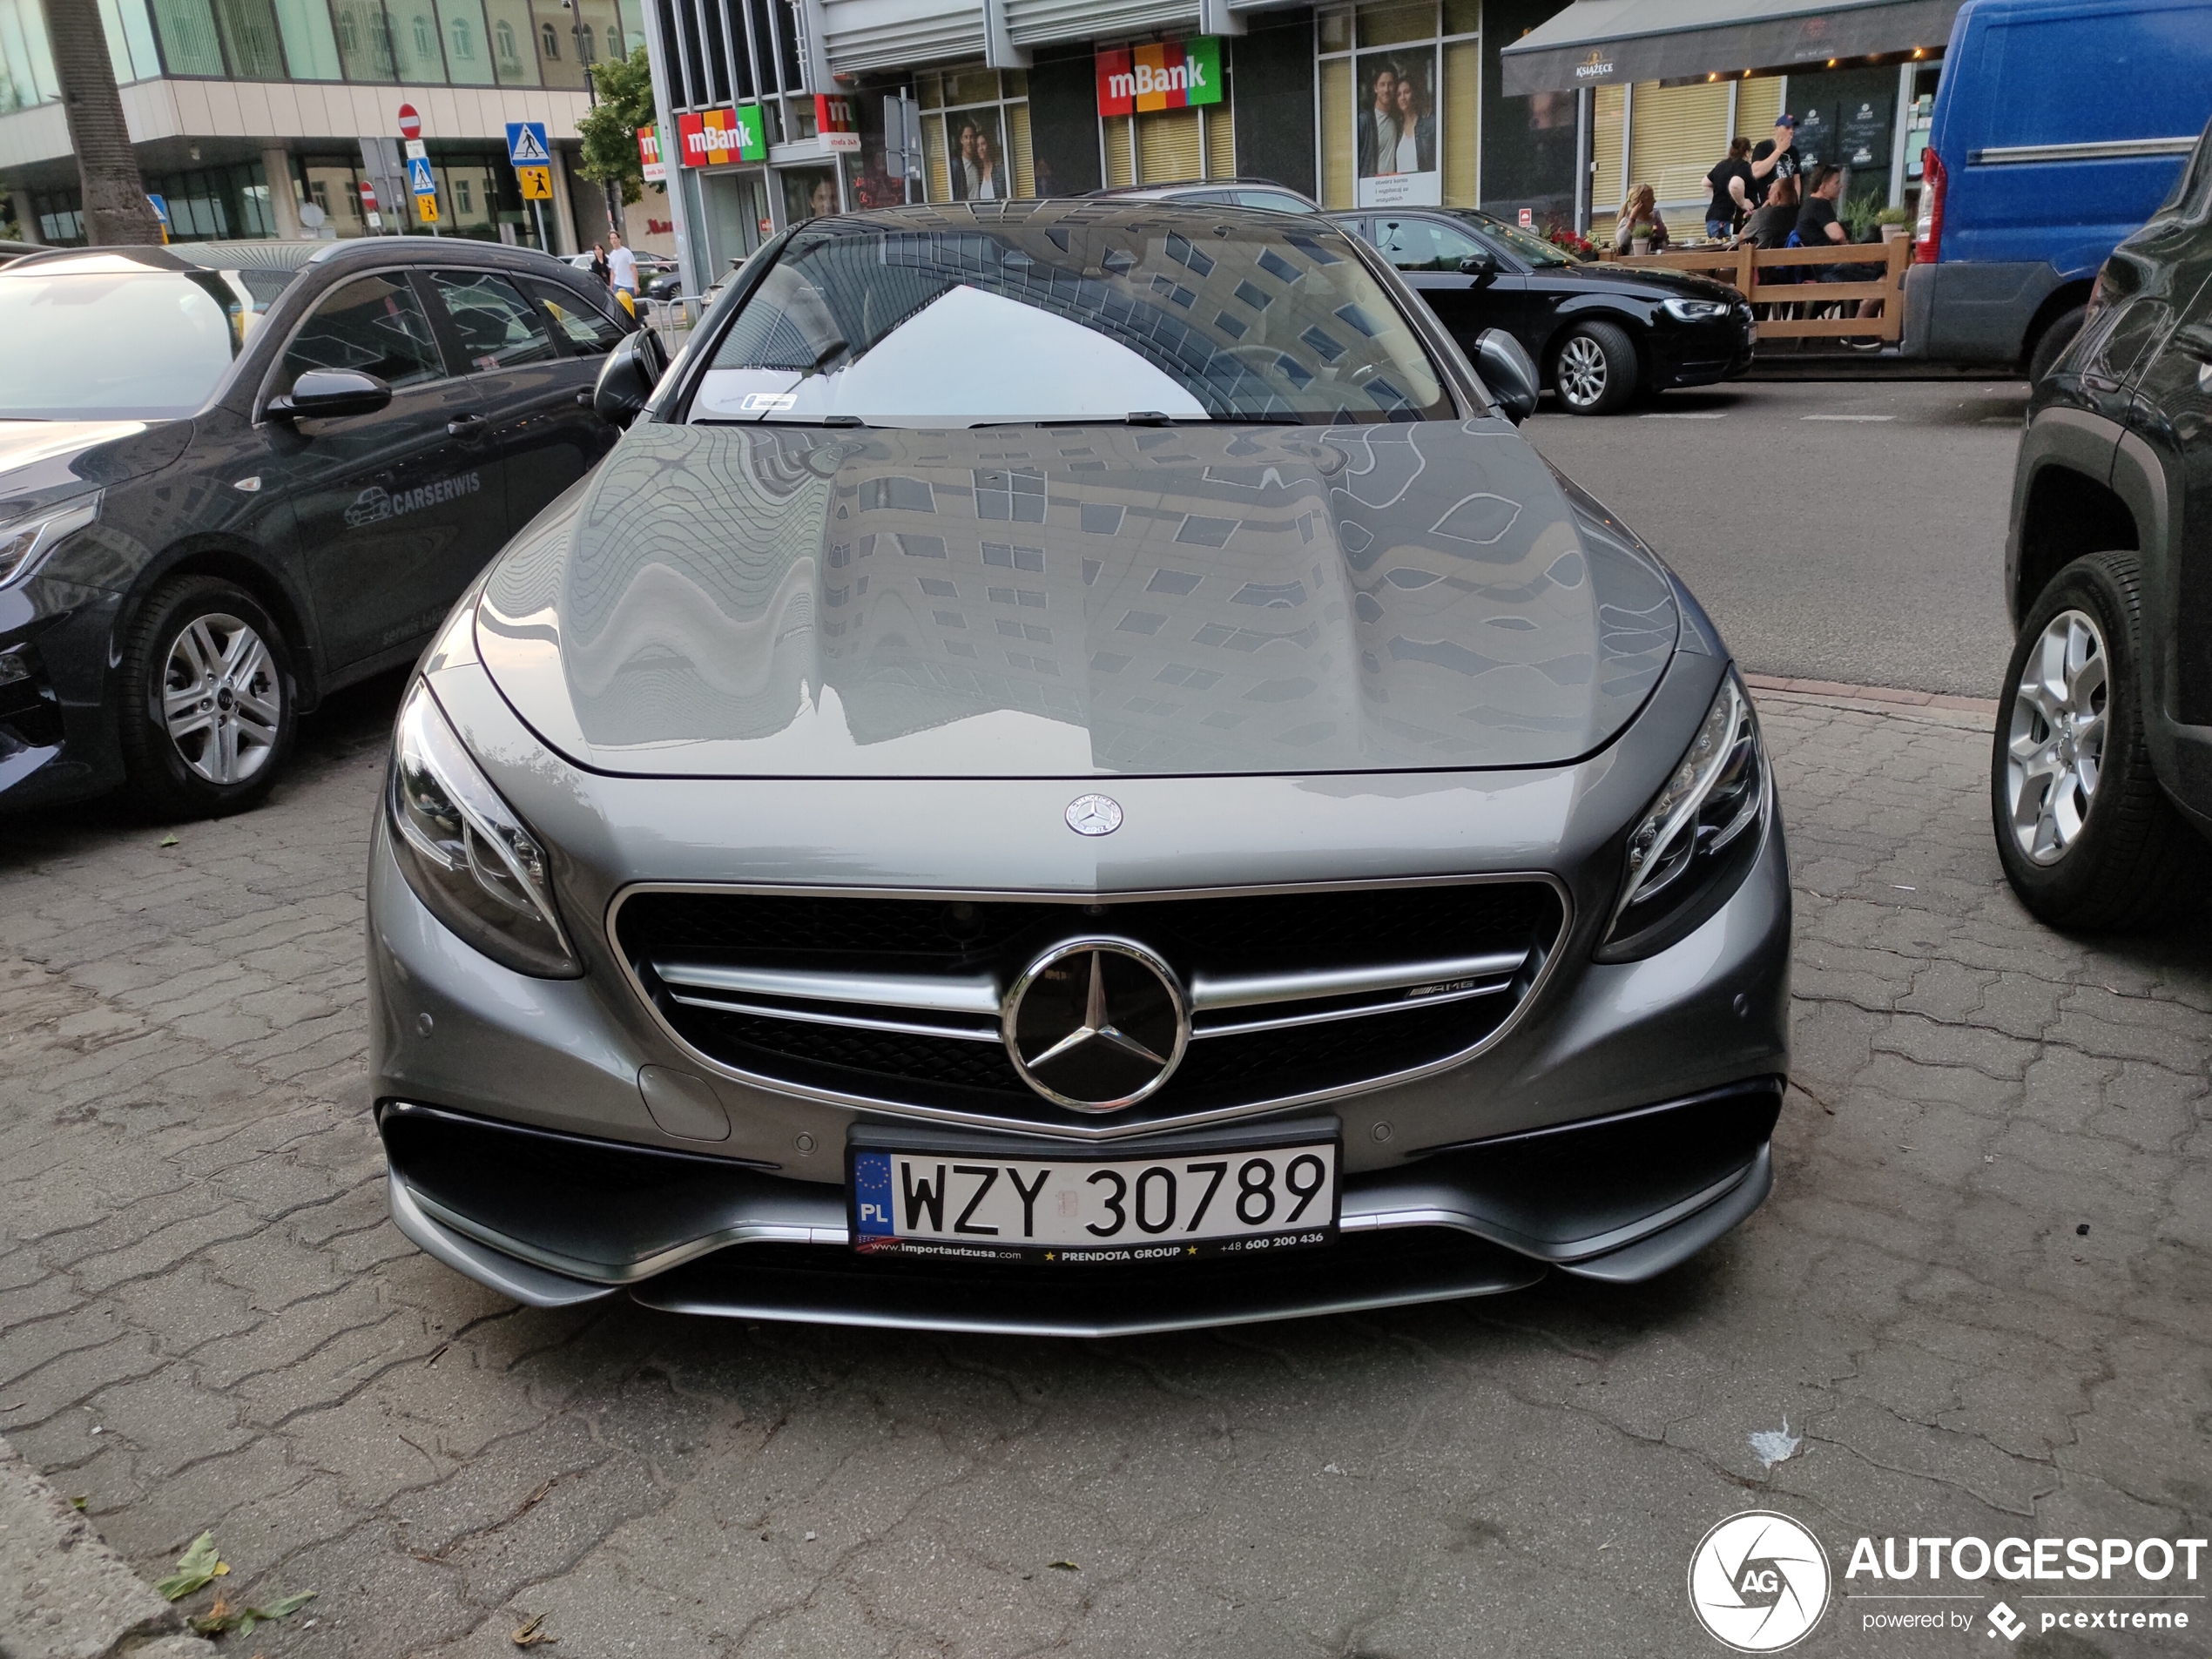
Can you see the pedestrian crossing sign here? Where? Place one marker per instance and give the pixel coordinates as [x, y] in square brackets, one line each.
[537, 182]
[420, 179]
[526, 144]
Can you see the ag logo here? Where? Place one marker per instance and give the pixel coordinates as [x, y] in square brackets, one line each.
[1759, 1582]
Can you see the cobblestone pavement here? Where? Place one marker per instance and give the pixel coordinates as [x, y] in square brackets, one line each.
[1979, 1295]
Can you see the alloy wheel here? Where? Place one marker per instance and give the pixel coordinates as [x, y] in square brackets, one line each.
[1582, 371]
[2054, 749]
[222, 701]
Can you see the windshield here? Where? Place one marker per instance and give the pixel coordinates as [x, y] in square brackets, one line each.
[1060, 317]
[1526, 244]
[115, 345]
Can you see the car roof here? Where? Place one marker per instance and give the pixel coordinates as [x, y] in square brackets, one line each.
[273, 255]
[1156, 193]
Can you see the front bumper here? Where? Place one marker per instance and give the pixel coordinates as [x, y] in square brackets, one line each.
[554, 1219]
[1698, 354]
[56, 741]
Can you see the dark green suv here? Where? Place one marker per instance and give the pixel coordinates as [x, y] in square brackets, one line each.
[2102, 776]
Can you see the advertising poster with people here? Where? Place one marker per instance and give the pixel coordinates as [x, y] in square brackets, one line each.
[1397, 130]
[976, 167]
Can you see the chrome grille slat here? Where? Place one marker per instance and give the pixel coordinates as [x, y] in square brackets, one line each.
[1253, 990]
[1361, 1011]
[934, 993]
[841, 1015]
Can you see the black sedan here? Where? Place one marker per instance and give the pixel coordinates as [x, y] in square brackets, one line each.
[1598, 334]
[235, 477]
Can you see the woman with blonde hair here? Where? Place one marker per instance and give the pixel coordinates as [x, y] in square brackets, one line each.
[1642, 208]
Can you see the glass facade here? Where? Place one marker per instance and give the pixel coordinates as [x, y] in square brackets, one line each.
[424, 42]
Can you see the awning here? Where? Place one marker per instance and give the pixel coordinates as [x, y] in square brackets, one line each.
[1597, 43]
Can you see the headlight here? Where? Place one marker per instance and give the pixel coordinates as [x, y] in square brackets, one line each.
[27, 540]
[1698, 836]
[1694, 310]
[468, 857]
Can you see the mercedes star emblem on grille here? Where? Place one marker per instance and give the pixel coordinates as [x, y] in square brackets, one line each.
[1096, 1024]
[1094, 815]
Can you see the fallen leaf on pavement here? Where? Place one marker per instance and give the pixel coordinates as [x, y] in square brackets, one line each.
[222, 1616]
[169, 840]
[1065, 1567]
[80, 1500]
[530, 1635]
[196, 1569]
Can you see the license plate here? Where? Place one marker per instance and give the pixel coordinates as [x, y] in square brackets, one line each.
[1250, 1200]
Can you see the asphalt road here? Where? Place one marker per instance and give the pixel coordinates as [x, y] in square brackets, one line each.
[1850, 531]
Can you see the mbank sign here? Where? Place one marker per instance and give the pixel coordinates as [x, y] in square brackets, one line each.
[1171, 75]
[716, 138]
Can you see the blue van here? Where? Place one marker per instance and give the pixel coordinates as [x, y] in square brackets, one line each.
[2059, 127]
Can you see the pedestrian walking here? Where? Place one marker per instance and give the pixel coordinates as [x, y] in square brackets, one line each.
[599, 264]
[622, 266]
[1640, 218]
[1730, 179]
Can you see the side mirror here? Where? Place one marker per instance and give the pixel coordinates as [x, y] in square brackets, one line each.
[627, 378]
[1478, 265]
[327, 393]
[1508, 371]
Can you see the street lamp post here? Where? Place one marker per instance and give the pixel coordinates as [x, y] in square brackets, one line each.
[584, 55]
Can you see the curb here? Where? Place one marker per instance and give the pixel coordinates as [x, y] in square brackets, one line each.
[1897, 695]
[63, 1593]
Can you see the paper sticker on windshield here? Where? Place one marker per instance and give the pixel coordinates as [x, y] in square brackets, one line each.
[755, 401]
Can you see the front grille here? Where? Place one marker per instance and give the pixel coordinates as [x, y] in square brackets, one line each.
[895, 999]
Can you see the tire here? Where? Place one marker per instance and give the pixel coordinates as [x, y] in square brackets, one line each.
[1593, 371]
[221, 756]
[2053, 341]
[2088, 839]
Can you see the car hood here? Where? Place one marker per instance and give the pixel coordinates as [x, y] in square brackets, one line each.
[725, 601]
[1657, 279]
[44, 461]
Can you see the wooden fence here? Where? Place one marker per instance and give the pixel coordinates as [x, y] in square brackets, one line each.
[1778, 302]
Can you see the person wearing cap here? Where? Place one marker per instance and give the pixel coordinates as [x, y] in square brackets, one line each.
[1775, 158]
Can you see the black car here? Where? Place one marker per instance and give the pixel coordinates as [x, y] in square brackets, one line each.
[1598, 334]
[235, 477]
[2100, 778]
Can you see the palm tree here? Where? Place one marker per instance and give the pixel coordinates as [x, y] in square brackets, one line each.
[115, 208]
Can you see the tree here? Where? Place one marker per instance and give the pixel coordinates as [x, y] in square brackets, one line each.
[115, 208]
[610, 127]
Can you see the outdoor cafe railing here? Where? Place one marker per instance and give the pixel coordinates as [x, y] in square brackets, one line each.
[1776, 298]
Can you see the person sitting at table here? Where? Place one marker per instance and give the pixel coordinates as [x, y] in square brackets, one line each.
[1642, 208]
[1773, 222]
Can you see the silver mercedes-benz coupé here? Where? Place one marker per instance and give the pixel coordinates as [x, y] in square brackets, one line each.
[1073, 772]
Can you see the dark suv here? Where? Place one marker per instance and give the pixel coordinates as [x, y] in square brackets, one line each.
[2102, 777]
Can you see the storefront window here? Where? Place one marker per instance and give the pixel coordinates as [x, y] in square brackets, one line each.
[975, 134]
[216, 203]
[809, 193]
[1399, 114]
